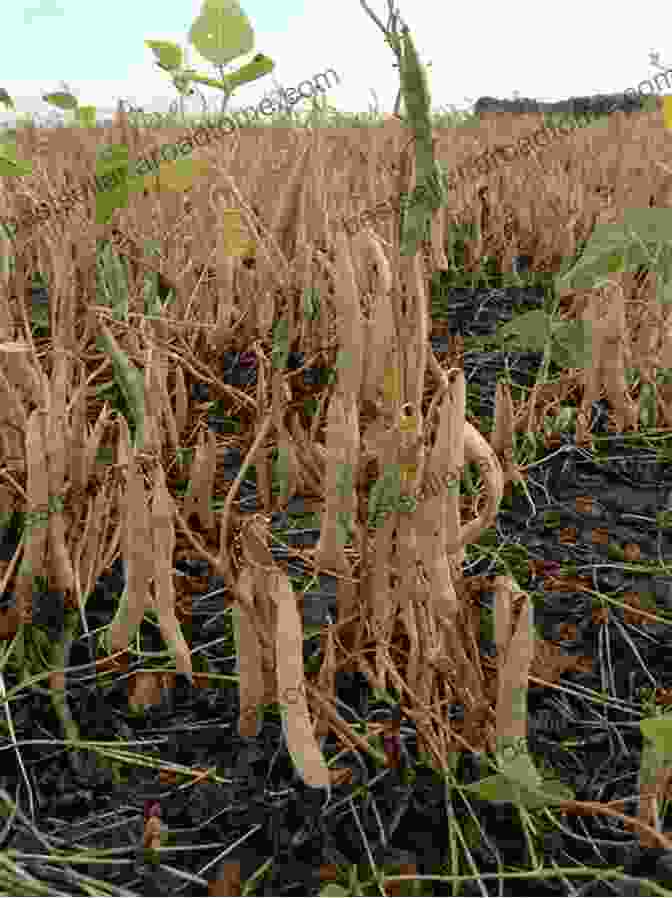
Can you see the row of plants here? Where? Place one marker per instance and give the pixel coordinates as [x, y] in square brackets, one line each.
[517, 777]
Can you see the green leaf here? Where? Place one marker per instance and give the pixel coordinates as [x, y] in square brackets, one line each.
[343, 527]
[571, 345]
[152, 248]
[528, 331]
[659, 731]
[651, 225]
[280, 349]
[344, 479]
[343, 359]
[168, 54]
[8, 150]
[61, 99]
[221, 32]
[565, 418]
[520, 767]
[86, 116]
[500, 788]
[647, 405]
[664, 263]
[11, 166]
[261, 65]
[106, 204]
[384, 495]
[110, 156]
[615, 262]
[6, 100]
[282, 471]
[130, 382]
[620, 243]
[333, 890]
[181, 82]
[311, 303]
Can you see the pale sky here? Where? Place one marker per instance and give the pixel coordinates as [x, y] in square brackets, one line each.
[575, 48]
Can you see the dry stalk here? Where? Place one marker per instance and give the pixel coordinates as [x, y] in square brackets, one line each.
[34, 562]
[164, 400]
[152, 407]
[61, 566]
[94, 440]
[78, 473]
[201, 481]
[181, 401]
[501, 440]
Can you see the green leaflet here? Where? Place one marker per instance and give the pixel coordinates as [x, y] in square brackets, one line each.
[343, 359]
[9, 164]
[62, 99]
[503, 788]
[6, 100]
[530, 330]
[86, 116]
[344, 527]
[384, 495]
[280, 349]
[656, 749]
[344, 479]
[282, 472]
[644, 237]
[112, 283]
[221, 32]
[261, 65]
[516, 765]
[311, 303]
[112, 172]
[647, 405]
[654, 759]
[500, 788]
[571, 344]
[621, 246]
[658, 730]
[168, 53]
[407, 504]
[130, 382]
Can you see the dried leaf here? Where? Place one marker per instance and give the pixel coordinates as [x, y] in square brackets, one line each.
[35, 535]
